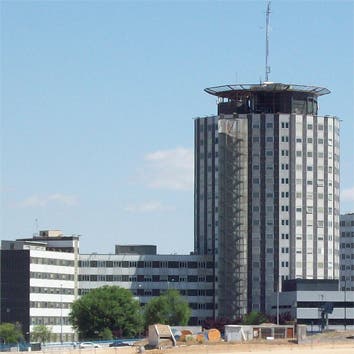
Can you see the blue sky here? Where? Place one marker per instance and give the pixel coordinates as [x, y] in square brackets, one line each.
[98, 100]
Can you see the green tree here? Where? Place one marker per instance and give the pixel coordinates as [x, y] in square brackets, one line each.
[107, 307]
[254, 318]
[168, 308]
[105, 334]
[41, 333]
[10, 333]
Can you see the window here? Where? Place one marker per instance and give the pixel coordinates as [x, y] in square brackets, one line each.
[285, 153]
[309, 140]
[309, 126]
[269, 125]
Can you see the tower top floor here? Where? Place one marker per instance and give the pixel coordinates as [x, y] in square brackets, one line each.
[267, 97]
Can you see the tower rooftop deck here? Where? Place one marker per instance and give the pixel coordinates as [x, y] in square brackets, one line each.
[229, 91]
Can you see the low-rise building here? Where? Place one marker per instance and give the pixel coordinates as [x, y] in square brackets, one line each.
[318, 303]
[149, 275]
[347, 252]
[39, 283]
[43, 275]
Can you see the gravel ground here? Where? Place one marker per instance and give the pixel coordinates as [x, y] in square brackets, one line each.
[325, 343]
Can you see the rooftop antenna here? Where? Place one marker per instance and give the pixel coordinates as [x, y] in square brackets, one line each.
[267, 67]
[36, 233]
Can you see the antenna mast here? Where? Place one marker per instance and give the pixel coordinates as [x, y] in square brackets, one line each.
[267, 67]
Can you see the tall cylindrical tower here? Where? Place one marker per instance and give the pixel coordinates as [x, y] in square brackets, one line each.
[266, 192]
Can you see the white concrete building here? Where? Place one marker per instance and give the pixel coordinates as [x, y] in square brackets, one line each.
[39, 283]
[149, 275]
[266, 191]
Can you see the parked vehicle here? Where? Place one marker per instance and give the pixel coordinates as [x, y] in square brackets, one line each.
[89, 345]
[118, 343]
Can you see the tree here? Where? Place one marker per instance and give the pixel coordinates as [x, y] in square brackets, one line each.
[106, 308]
[10, 333]
[105, 334]
[168, 308]
[41, 333]
[254, 318]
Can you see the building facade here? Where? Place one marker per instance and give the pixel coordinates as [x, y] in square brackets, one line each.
[347, 252]
[43, 275]
[39, 283]
[266, 192]
[149, 275]
[316, 303]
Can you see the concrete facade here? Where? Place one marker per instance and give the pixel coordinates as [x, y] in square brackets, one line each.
[347, 252]
[39, 284]
[307, 303]
[266, 192]
[151, 275]
[43, 275]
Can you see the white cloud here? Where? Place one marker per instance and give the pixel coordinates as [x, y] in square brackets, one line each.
[148, 207]
[42, 201]
[347, 195]
[170, 169]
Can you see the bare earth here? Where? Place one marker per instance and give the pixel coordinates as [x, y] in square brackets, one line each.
[329, 343]
[323, 348]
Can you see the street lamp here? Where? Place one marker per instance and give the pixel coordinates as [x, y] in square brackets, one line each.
[61, 313]
[345, 303]
[278, 290]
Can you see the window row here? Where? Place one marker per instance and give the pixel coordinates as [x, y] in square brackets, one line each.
[347, 245]
[40, 290]
[144, 264]
[145, 278]
[347, 223]
[54, 276]
[347, 256]
[215, 141]
[47, 320]
[52, 261]
[50, 305]
[209, 127]
[347, 234]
